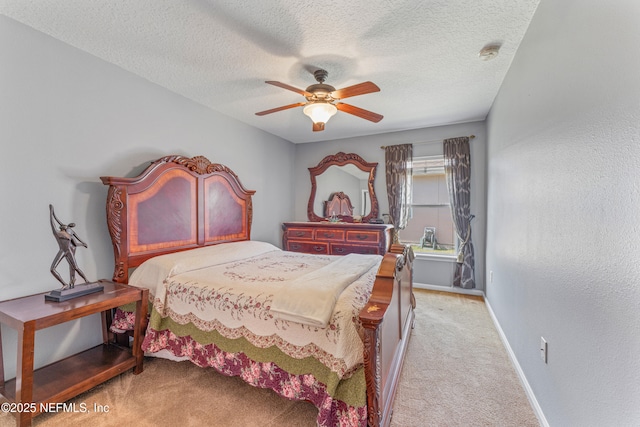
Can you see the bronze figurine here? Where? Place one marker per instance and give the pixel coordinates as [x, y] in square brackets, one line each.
[68, 241]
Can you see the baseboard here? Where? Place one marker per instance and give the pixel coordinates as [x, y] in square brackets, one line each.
[523, 379]
[451, 289]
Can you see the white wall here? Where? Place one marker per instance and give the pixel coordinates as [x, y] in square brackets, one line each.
[368, 147]
[69, 118]
[563, 203]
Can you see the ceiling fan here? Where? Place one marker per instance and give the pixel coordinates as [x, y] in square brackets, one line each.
[321, 100]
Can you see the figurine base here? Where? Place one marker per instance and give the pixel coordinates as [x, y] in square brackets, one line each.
[59, 295]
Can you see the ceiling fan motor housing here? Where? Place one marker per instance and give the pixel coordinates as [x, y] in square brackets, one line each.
[320, 91]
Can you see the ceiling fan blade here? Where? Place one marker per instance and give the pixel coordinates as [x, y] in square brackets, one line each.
[317, 127]
[285, 107]
[360, 112]
[359, 89]
[291, 88]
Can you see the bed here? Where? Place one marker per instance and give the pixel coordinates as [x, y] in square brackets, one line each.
[219, 299]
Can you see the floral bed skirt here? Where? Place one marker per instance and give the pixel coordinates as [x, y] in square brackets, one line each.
[340, 402]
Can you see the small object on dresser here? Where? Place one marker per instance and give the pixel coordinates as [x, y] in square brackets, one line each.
[68, 241]
[376, 221]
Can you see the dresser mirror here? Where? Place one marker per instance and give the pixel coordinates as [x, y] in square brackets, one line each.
[346, 178]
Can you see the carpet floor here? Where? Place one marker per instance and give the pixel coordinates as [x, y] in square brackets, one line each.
[456, 373]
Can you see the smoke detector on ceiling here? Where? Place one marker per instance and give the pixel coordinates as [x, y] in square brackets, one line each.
[489, 52]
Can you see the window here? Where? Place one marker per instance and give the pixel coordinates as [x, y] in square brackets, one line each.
[430, 229]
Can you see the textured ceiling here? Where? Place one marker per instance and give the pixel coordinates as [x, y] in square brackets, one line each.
[422, 54]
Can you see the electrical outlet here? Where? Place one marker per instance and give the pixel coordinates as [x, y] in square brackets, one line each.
[491, 276]
[543, 349]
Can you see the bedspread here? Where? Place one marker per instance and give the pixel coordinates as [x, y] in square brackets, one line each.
[220, 316]
[234, 294]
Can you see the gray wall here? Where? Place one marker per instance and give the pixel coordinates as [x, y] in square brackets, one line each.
[563, 239]
[69, 118]
[427, 272]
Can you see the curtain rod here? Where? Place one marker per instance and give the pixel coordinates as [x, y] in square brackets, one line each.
[427, 142]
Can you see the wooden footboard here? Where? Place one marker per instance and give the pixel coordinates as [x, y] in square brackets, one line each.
[387, 318]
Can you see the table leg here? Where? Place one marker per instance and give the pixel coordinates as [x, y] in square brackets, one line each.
[24, 371]
[105, 326]
[1, 364]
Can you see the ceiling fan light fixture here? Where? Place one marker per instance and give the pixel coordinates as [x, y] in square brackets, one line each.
[319, 112]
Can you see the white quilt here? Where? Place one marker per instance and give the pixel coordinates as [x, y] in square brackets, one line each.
[233, 288]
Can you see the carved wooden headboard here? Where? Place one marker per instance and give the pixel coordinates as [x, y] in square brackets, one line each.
[338, 204]
[176, 203]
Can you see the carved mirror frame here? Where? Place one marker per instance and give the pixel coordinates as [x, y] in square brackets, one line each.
[342, 159]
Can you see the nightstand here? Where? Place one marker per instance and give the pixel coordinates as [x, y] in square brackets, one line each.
[62, 380]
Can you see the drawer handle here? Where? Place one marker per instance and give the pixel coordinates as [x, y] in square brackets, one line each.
[339, 250]
[362, 236]
[319, 248]
[299, 233]
[295, 247]
[328, 235]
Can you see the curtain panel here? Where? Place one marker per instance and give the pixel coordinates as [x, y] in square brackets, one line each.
[457, 166]
[398, 161]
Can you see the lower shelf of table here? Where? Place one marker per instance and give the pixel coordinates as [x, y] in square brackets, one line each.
[69, 377]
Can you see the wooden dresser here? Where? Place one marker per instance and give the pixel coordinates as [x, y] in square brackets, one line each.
[336, 238]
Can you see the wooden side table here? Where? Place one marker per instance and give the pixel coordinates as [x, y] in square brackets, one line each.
[33, 390]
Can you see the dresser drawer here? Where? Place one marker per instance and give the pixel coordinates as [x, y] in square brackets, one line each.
[307, 247]
[356, 236]
[329, 235]
[344, 249]
[300, 233]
